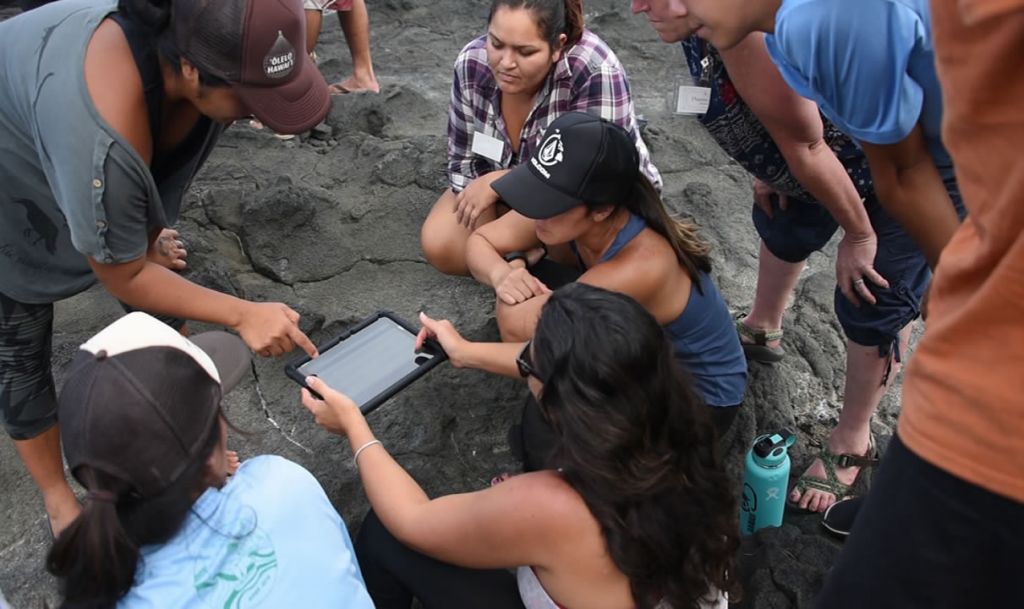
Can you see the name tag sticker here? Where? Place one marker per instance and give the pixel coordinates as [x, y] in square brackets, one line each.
[693, 100]
[487, 146]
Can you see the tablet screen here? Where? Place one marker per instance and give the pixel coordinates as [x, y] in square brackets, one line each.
[368, 362]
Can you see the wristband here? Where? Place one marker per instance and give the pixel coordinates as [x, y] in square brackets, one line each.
[516, 255]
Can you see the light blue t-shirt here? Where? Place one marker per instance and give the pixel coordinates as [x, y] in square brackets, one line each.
[869, 64]
[268, 539]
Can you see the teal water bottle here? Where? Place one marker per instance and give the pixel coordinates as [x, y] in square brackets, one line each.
[764, 482]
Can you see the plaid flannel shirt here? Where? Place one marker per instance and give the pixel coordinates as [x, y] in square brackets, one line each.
[588, 78]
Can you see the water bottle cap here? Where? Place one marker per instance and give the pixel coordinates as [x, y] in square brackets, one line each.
[770, 449]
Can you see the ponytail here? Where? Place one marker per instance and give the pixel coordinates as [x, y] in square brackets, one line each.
[553, 18]
[97, 556]
[691, 250]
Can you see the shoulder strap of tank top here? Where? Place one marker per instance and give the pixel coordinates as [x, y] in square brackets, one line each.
[632, 228]
[148, 64]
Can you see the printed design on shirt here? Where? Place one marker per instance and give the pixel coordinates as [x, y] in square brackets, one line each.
[280, 61]
[239, 574]
[43, 230]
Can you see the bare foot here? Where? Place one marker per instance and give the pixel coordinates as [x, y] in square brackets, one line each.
[168, 251]
[816, 500]
[352, 84]
[233, 461]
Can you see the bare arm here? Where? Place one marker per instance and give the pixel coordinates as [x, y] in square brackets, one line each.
[796, 128]
[268, 328]
[499, 358]
[486, 246]
[519, 522]
[911, 189]
[647, 272]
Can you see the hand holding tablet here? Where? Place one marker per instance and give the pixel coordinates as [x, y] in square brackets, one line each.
[371, 362]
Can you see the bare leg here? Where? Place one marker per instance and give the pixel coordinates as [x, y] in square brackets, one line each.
[356, 25]
[42, 458]
[776, 279]
[864, 389]
[444, 240]
[314, 19]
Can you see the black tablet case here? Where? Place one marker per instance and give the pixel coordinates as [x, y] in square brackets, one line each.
[371, 361]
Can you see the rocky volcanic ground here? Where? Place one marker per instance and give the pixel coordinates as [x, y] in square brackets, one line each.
[330, 225]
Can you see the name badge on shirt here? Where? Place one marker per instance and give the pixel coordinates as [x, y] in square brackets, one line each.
[691, 99]
[488, 147]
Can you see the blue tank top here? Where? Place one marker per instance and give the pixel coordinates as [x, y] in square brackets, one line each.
[704, 334]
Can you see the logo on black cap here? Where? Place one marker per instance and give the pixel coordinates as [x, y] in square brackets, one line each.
[280, 61]
[551, 153]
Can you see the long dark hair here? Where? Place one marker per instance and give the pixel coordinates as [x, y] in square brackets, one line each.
[97, 555]
[638, 445]
[154, 16]
[644, 201]
[553, 17]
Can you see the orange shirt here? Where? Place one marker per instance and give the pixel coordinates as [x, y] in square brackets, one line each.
[963, 395]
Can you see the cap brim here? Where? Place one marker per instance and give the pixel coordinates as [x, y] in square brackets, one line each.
[229, 355]
[294, 107]
[530, 195]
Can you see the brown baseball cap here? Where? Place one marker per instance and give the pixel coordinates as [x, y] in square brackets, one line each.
[140, 400]
[259, 47]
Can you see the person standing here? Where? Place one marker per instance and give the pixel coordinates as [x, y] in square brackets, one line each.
[355, 23]
[943, 526]
[810, 179]
[870, 67]
[101, 135]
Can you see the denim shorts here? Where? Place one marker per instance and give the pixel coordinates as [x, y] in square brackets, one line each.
[28, 397]
[805, 227]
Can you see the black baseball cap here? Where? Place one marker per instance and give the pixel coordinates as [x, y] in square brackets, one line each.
[259, 47]
[141, 399]
[581, 158]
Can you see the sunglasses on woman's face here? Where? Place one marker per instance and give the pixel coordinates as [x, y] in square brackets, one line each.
[524, 361]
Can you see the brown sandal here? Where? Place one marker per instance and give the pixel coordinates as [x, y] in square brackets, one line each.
[755, 343]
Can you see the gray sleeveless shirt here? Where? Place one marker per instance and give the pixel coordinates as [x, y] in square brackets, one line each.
[70, 186]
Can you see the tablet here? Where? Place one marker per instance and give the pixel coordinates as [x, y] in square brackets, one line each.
[370, 362]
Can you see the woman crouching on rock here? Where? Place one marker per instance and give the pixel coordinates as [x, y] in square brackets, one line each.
[636, 510]
[535, 62]
[162, 525]
[582, 198]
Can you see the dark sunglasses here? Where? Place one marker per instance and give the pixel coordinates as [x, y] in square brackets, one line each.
[524, 361]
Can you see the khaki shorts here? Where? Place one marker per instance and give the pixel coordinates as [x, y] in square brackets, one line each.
[327, 5]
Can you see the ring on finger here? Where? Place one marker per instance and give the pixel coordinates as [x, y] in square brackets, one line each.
[858, 281]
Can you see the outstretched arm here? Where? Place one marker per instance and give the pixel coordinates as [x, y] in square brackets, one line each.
[269, 328]
[499, 358]
[519, 522]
